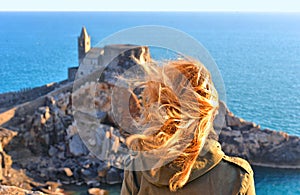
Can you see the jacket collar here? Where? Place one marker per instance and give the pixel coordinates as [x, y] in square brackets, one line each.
[210, 156]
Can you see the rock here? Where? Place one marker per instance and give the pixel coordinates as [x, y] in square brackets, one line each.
[97, 191]
[52, 151]
[113, 176]
[246, 127]
[61, 155]
[72, 130]
[6, 135]
[89, 173]
[238, 139]
[61, 146]
[68, 171]
[77, 147]
[219, 121]
[4, 190]
[45, 114]
[102, 173]
[231, 120]
[52, 188]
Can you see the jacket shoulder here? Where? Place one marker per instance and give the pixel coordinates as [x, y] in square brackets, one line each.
[239, 162]
[247, 180]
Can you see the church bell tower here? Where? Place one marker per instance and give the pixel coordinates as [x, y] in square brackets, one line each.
[84, 44]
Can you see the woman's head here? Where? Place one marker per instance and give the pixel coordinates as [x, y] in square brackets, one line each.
[177, 106]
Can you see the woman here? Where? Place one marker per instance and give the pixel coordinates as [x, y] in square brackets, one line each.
[177, 107]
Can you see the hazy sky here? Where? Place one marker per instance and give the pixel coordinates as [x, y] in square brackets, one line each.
[151, 5]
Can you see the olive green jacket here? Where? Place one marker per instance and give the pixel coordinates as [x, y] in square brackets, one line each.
[213, 173]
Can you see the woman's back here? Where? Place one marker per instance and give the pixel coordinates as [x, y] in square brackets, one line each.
[177, 107]
[214, 173]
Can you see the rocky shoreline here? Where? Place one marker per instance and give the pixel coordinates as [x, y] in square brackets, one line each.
[261, 147]
[42, 142]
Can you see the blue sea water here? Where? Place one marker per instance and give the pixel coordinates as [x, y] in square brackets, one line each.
[258, 55]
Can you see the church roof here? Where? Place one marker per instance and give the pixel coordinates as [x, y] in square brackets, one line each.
[94, 53]
[84, 33]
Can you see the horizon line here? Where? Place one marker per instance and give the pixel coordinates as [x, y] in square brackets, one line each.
[207, 11]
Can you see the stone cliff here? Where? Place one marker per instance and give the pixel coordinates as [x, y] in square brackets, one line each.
[262, 147]
[42, 138]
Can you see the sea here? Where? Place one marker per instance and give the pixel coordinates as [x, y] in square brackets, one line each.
[258, 56]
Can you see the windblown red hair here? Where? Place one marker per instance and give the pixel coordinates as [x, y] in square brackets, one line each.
[177, 107]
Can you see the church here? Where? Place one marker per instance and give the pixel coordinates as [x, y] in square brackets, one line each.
[92, 58]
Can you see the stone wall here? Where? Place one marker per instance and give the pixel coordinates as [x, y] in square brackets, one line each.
[11, 99]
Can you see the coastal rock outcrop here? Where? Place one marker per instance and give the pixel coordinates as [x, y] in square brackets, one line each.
[47, 143]
[42, 138]
[12, 176]
[263, 147]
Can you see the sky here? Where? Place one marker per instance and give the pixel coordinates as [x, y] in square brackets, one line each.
[152, 5]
